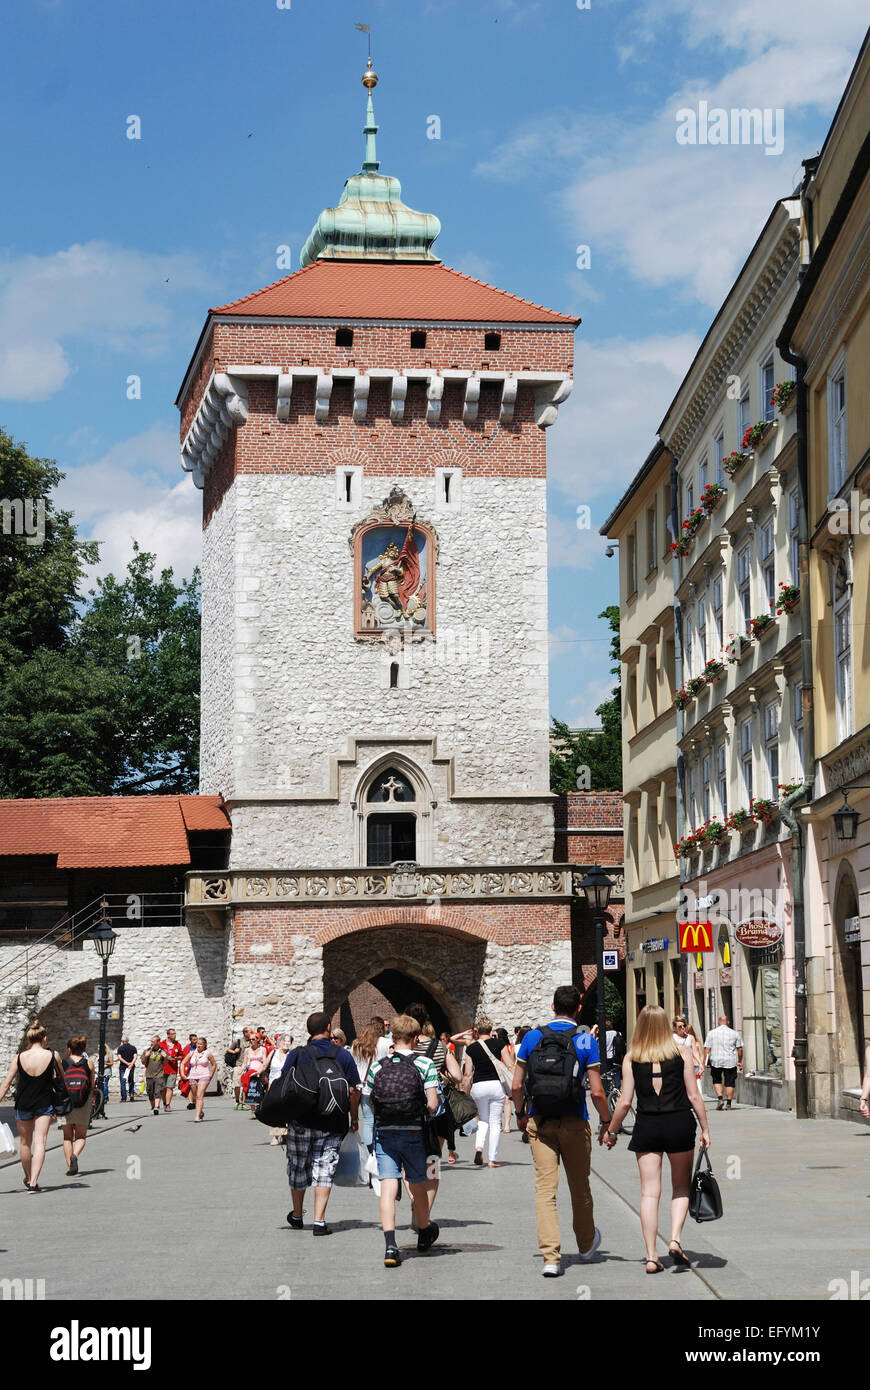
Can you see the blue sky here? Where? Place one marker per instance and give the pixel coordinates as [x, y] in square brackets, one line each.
[557, 130]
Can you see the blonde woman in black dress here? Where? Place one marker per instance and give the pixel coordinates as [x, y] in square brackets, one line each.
[662, 1075]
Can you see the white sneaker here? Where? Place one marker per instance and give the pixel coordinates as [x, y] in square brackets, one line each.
[551, 1271]
[596, 1241]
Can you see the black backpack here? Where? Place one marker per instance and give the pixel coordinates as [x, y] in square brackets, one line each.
[398, 1097]
[77, 1078]
[554, 1081]
[313, 1090]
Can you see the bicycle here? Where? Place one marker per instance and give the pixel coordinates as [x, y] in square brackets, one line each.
[612, 1079]
[98, 1105]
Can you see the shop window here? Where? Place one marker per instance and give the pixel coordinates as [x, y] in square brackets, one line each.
[762, 1029]
[677, 981]
[660, 983]
[639, 990]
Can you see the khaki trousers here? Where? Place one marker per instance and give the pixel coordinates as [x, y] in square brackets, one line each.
[567, 1137]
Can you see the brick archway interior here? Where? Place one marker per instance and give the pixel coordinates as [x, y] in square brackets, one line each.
[449, 967]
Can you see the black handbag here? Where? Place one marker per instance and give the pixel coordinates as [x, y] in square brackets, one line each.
[705, 1199]
[61, 1099]
[462, 1107]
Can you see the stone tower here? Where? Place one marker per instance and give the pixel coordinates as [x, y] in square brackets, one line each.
[369, 436]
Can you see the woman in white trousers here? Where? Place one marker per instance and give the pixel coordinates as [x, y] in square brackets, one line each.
[482, 1081]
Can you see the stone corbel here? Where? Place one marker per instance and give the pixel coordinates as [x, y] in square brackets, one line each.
[223, 406]
[285, 391]
[398, 392]
[508, 400]
[752, 698]
[548, 399]
[235, 403]
[361, 386]
[434, 393]
[322, 396]
[779, 682]
[749, 521]
[472, 400]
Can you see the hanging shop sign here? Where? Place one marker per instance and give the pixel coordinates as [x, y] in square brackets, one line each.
[758, 933]
[696, 936]
[655, 943]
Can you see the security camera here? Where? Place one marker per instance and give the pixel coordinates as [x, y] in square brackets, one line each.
[610, 552]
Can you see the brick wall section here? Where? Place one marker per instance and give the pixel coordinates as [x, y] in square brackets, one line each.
[588, 828]
[504, 924]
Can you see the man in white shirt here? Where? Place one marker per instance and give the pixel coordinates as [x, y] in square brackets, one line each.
[723, 1048]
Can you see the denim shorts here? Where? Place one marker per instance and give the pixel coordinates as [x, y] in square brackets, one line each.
[396, 1149]
[33, 1114]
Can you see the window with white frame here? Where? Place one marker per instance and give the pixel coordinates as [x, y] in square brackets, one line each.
[765, 554]
[797, 724]
[631, 564]
[705, 787]
[690, 496]
[744, 591]
[767, 385]
[837, 428]
[716, 600]
[771, 745]
[793, 552]
[722, 778]
[718, 457]
[652, 558]
[843, 654]
[746, 755]
[688, 645]
[690, 794]
[702, 632]
[743, 420]
[702, 475]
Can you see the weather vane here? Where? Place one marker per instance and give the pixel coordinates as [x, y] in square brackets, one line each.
[366, 29]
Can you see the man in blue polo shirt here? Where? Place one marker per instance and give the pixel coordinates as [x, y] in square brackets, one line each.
[551, 1063]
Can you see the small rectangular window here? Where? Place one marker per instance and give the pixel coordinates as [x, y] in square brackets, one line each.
[418, 338]
[718, 457]
[771, 746]
[705, 787]
[491, 342]
[743, 420]
[344, 337]
[651, 552]
[702, 632]
[717, 610]
[702, 475]
[793, 551]
[746, 755]
[837, 431]
[767, 385]
[765, 548]
[722, 778]
[797, 723]
[744, 594]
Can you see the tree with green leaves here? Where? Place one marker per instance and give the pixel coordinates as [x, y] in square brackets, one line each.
[98, 694]
[592, 761]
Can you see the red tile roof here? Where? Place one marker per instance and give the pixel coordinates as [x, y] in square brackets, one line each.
[108, 832]
[423, 293]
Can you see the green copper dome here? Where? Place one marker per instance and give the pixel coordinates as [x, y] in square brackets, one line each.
[371, 223]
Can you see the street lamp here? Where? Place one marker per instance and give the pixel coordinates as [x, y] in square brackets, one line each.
[104, 939]
[846, 820]
[597, 887]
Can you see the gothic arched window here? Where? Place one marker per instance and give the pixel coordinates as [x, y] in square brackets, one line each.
[391, 834]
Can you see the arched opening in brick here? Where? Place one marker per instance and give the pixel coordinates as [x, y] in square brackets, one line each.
[397, 965]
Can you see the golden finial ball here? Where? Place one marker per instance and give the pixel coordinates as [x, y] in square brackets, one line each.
[370, 77]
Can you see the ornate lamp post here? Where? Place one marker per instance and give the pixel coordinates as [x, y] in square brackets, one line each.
[104, 939]
[597, 887]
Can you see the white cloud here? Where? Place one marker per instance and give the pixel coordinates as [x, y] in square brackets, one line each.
[607, 426]
[95, 294]
[686, 216]
[581, 708]
[574, 548]
[128, 494]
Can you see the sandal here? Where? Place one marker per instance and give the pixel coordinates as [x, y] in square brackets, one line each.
[657, 1267]
[678, 1255]
[452, 1158]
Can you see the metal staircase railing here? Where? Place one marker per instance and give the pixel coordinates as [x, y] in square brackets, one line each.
[122, 909]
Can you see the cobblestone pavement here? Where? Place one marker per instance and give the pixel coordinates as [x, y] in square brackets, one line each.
[181, 1209]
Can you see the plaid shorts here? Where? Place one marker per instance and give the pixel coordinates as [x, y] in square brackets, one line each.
[312, 1156]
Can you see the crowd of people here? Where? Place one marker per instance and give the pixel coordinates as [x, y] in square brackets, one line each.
[401, 1094]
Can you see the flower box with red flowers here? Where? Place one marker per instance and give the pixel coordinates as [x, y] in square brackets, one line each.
[711, 834]
[755, 434]
[733, 461]
[762, 624]
[682, 698]
[737, 647]
[682, 545]
[788, 599]
[741, 820]
[688, 846]
[764, 810]
[714, 671]
[783, 395]
[696, 685]
[712, 495]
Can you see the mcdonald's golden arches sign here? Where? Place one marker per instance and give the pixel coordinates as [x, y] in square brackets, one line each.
[696, 936]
